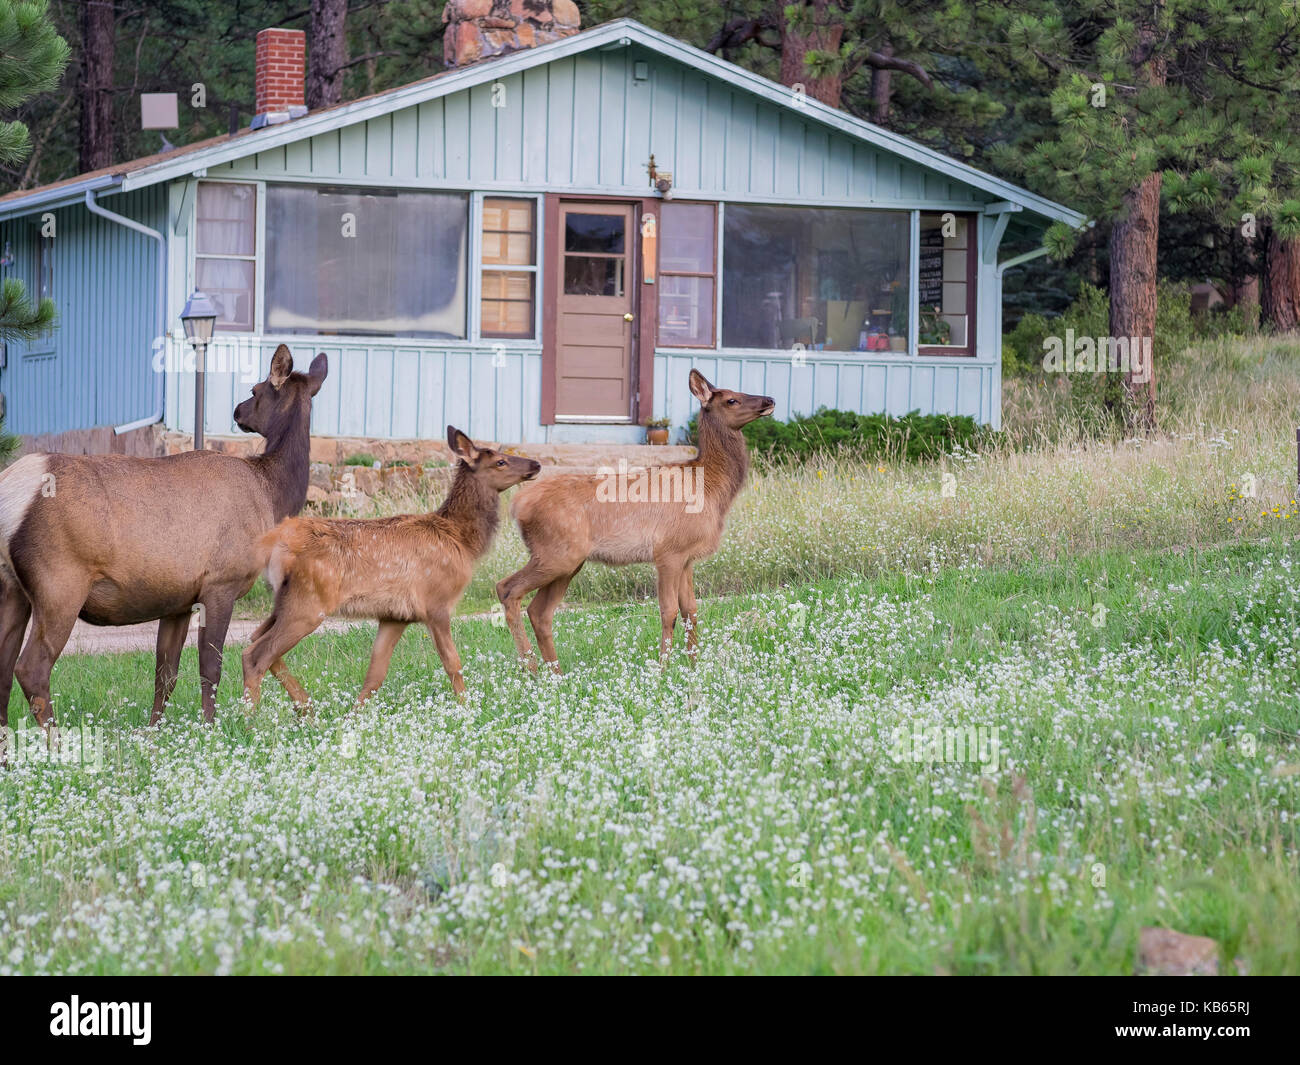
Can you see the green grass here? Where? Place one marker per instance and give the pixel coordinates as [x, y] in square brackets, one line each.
[744, 816]
[1125, 613]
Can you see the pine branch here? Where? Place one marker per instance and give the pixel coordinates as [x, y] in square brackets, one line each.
[19, 320]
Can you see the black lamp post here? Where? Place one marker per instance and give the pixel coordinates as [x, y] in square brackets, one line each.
[199, 318]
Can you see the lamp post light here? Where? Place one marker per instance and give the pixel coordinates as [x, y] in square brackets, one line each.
[199, 318]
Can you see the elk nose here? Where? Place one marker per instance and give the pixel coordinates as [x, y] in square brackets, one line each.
[769, 404]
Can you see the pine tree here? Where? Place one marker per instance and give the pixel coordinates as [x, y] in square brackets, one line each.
[1158, 95]
[32, 59]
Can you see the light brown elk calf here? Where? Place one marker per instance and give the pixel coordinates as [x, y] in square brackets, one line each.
[567, 520]
[118, 540]
[413, 567]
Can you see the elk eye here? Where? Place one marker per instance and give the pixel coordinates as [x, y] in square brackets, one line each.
[732, 401]
[501, 462]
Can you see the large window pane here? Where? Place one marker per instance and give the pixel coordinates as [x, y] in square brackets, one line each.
[227, 219]
[509, 268]
[818, 277]
[686, 311]
[687, 263]
[366, 263]
[225, 250]
[229, 282]
[688, 238]
[945, 285]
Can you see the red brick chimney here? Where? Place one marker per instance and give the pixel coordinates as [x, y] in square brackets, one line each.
[281, 76]
[479, 29]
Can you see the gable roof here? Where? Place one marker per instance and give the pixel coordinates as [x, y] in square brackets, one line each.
[183, 162]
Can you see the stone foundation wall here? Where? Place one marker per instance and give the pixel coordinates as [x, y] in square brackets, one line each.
[144, 443]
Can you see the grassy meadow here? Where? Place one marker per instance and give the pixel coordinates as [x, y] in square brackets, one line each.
[1118, 619]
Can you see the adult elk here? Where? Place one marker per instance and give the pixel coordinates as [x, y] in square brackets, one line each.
[409, 568]
[117, 540]
[567, 520]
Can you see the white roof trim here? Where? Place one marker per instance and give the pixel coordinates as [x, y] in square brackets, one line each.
[621, 31]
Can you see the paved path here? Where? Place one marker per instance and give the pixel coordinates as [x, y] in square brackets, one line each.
[118, 639]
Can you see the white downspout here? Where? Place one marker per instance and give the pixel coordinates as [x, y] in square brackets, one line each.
[1001, 268]
[152, 234]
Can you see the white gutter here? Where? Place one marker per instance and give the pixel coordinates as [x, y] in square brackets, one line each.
[152, 234]
[63, 196]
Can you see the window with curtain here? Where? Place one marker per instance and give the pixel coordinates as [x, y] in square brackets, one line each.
[815, 277]
[509, 277]
[946, 284]
[225, 263]
[687, 268]
[366, 262]
[42, 288]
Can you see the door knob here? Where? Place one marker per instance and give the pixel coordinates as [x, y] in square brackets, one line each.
[627, 317]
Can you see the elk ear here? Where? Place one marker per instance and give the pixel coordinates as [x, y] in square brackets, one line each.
[462, 445]
[281, 367]
[320, 368]
[700, 388]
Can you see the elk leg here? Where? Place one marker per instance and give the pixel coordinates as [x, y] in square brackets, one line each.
[285, 632]
[511, 592]
[50, 631]
[381, 655]
[670, 575]
[440, 628]
[686, 603]
[540, 612]
[15, 612]
[212, 640]
[301, 700]
[171, 639]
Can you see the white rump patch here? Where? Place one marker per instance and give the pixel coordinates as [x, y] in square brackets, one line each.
[20, 484]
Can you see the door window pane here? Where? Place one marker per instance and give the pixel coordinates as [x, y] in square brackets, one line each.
[366, 262]
[586, 275]
[826, 278]
[602, 233]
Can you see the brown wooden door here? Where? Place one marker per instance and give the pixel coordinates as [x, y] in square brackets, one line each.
[594, 311]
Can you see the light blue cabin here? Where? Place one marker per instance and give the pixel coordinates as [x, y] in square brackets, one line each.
[490, 247]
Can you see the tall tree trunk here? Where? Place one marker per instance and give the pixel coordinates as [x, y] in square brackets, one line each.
[1133, 290]
[327, 44]
[816, 27]
[1280, 288]
[882, 88]
[1242, 282]
[98, 45]
[1133, 271]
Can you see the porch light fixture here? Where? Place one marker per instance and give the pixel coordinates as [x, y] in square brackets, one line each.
[199, 318]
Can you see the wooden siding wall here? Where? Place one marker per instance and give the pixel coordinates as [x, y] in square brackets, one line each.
[587, 124]
[386, 390]
[939, 385]
[96, 369]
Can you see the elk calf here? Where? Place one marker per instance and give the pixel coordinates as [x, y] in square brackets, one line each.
[566, 521]
[410, 568]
